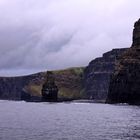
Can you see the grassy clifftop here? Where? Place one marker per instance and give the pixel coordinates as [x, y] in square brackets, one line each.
[69, 82]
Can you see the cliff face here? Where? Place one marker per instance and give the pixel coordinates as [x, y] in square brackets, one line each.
[125, 83]
[29, 88]
[69, 83]
[97, 74]
[14, 88]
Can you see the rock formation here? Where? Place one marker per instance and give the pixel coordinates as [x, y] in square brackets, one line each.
[125, 83]
[29, 88]
[49, 89]
[97, 74]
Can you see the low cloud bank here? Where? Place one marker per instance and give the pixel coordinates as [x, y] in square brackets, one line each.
[47, 34]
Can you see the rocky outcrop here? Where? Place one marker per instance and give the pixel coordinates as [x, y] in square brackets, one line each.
[29, 88]
[97, 74]
[125, 83]
[49, 88]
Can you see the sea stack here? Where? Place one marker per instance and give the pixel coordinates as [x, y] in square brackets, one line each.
[125, 82]
[49, 89]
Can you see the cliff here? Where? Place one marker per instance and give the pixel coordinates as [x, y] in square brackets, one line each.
[125, 82]
[69, 83]
[97, 74]
[14, 88]
[29, 87]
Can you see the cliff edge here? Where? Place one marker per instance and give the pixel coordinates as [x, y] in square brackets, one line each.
[97, 74]
[125, 82]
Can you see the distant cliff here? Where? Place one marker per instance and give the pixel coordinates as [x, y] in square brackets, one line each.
[114, 77]
[14, 88]
[29, 87]
[97, 74]
[125, 83]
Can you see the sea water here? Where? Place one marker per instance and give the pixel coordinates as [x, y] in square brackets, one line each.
[68, 121]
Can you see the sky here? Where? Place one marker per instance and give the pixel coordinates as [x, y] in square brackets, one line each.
[56, 34]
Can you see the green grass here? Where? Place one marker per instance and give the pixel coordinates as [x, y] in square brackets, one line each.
[67, 90]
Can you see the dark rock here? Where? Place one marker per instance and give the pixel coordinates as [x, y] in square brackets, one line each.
[68, 81]
[125, 82]
[136, 34]
[97, 74]
[49, 89]
[25, 96]
[14, 88]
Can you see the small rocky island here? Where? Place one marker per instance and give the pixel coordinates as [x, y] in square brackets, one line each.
[49, 88]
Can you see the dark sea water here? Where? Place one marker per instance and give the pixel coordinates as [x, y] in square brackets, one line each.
[68, 121]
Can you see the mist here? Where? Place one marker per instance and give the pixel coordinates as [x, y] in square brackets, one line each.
[50, 34]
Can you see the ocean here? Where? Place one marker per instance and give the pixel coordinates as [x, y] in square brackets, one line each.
[68, 121]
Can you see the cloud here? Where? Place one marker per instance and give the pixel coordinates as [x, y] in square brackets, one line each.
[52, 34]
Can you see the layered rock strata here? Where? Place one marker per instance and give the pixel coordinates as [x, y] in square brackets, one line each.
[97, 74]
[125, 82]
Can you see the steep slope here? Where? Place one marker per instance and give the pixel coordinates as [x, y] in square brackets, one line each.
[14, 88]
[68, 81]
[29, 88]
[97, 74]
[125, 83]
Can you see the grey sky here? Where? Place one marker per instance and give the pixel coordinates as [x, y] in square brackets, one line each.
[55, 34]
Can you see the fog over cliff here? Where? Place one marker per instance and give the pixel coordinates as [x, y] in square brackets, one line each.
[55, 34]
